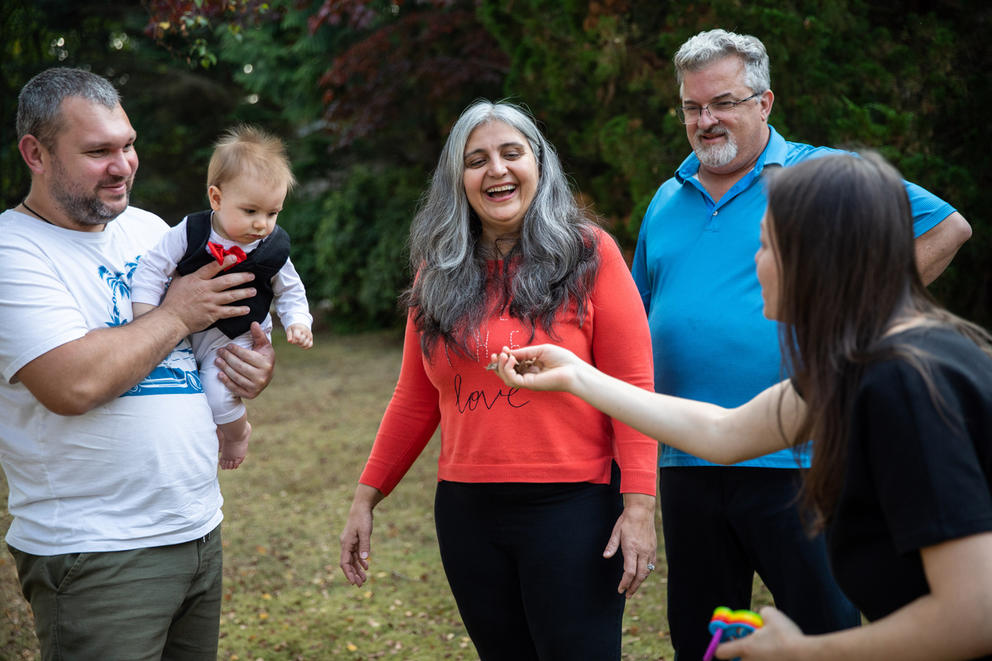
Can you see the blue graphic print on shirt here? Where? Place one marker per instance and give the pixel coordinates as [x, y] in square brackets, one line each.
[120, 289]
[174, 374]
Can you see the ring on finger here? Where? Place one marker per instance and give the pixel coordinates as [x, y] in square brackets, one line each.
[650, 566]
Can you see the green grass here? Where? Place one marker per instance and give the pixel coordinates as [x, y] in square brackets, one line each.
[284, 595]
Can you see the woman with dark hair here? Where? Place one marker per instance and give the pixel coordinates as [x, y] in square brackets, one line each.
[529, 508]
[895, 392]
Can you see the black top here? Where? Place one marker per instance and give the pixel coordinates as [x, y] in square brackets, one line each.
[265, 261]
[916, 474]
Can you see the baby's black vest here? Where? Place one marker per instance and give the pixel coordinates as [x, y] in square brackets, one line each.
[264, 261]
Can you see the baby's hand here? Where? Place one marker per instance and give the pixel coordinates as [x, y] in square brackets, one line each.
[299, 335]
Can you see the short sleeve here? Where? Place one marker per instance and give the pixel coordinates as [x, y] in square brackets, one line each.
[38, 311]
[925, 468]
[928, 209]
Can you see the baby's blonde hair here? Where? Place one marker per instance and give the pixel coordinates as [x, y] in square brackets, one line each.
[247, 150]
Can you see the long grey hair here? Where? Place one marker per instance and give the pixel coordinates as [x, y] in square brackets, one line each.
[553, 262]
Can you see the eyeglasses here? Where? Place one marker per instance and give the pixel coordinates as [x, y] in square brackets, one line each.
[717, 109]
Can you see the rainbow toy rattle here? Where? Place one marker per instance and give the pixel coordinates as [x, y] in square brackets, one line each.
[729, 625]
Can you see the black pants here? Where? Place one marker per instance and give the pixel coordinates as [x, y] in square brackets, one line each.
[525, 564]
[722, 524]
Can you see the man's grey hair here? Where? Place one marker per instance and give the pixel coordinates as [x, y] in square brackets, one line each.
[707, 47]
[39, 105]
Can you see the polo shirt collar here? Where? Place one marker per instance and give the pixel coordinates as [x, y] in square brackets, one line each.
[774, 153]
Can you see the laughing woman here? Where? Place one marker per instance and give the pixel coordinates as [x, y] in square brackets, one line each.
[528, 493]
[896, 393]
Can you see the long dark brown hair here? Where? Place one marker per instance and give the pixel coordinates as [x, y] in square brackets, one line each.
[842, 228]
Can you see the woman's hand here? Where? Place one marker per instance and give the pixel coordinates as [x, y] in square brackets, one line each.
[541, 367]
[774, 641]
[356, 538]
[635, 536]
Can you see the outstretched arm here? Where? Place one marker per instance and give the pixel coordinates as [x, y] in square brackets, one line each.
[717, 434]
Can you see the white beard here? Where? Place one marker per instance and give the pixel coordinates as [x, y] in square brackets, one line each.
[715, 156]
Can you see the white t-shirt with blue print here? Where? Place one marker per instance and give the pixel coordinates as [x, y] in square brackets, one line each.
[137, 472]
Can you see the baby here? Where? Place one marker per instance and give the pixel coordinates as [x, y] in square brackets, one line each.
[247, 181]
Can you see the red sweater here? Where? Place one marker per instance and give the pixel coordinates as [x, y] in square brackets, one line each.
[493, 433]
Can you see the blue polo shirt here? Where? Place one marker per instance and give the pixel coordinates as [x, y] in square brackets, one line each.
[694, 268]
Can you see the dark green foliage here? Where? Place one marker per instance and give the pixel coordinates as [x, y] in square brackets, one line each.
[350, 245]
[371, 92]
[375, 83]
[24, 42]
[907, 79]
[592, 75]
[177, 111]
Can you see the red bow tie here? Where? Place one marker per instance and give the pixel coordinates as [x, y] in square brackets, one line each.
[219, 252]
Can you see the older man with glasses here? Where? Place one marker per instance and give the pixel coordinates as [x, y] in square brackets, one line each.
[695, 271]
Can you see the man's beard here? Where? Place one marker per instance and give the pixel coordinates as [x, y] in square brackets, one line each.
[715, 156]
[84, 208]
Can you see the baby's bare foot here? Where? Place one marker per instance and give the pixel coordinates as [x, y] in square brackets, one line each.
[234, 450]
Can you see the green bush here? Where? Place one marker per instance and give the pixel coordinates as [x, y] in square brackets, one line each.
[907, 82]
[350, 245]
[379, 83]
